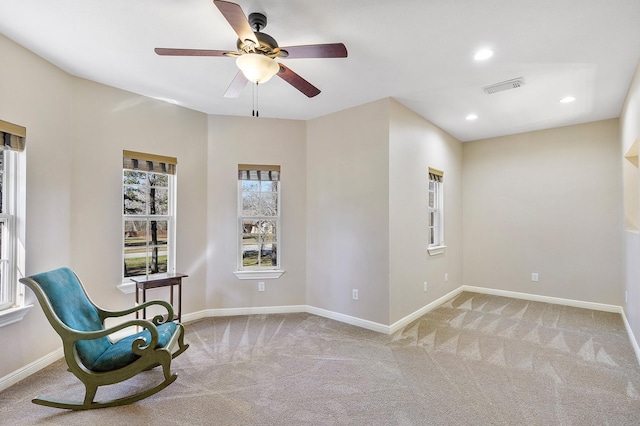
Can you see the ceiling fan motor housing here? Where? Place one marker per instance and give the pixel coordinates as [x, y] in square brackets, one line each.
[257, 21]
[267, 45]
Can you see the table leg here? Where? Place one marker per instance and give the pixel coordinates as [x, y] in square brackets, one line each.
[180, 301]
[144, 300]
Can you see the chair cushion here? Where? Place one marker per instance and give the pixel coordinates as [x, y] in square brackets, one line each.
[71, 304]
[120, 354]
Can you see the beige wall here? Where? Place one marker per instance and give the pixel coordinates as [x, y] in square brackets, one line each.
[367, 171]
[348, 212]
[630, 132]
[415, 145]
[107, 121]
[546, 202]
[246, 140]
[76, 131]
[37, 95]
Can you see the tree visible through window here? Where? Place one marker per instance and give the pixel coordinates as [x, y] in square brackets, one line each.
[259, 217]
[148, 188]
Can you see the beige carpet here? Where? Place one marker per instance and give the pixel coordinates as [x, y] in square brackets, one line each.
[476, 360]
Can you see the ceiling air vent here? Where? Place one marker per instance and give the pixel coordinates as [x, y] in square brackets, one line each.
[505, 85]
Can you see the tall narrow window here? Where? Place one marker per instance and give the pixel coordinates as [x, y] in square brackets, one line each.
[435, 212]
[148, 214]
[12, 139]
[258, 217]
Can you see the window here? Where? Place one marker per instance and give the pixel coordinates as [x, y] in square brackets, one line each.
[12, 140]
[148, 214]
[7, 231]
[258, 219]
[435, 212]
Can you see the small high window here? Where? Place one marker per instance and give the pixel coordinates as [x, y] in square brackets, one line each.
[435, 220]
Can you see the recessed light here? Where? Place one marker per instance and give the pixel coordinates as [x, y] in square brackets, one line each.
[472, 117]
[483, 54]
[567, 99]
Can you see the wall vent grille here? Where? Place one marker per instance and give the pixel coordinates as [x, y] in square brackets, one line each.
[505, 85]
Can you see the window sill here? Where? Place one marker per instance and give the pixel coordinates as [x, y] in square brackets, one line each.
[436, 250]
[127, 288]
[12, 315]
[270, 274]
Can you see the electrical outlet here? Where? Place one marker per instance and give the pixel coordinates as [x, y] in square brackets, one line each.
[261, 286]
[425, 286]
[446, 277]
[534, 277]
[354, 294]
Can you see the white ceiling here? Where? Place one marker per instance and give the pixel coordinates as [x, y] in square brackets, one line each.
[419, 52]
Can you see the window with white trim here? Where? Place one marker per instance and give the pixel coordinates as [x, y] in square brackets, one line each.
[435, 212]
[7, 230]
[12, 139]
[258, 218]
[148, 219]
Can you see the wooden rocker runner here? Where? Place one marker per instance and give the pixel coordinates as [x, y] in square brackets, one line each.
[89, 352]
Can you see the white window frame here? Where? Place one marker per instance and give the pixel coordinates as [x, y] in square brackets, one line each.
[435, 211]
[7, 222]
[13, 308]
[170, 218]
[260, 272]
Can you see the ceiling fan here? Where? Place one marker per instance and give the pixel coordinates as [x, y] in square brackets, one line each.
[257, 52]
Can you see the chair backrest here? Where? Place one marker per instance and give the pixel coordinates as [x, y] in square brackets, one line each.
[71, 305]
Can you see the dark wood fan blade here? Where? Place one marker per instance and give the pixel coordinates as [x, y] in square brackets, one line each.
[237, 85]
[298, 82]
[332, 50]
[192, 52]
[237, 19]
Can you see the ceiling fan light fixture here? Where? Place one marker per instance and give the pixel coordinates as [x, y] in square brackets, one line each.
[257, 68]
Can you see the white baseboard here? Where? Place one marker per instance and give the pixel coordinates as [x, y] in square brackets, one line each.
[24, 372]
[632, 337]
[194, 316]
[348, 319]
[398, 325]
[546, 299]
[228, 312]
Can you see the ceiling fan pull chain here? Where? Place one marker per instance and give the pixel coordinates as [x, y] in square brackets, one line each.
[253, 100]
[257, 112]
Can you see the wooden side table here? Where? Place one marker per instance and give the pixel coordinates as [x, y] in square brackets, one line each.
[165, 280]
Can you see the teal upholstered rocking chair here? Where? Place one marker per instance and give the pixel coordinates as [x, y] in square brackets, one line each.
[89, 352]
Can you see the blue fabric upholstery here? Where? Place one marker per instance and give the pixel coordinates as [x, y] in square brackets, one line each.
[73, 307]
[120, 354]
[64, 290]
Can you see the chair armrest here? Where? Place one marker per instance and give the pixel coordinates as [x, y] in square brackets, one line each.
[104, 314]
[138, 345]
